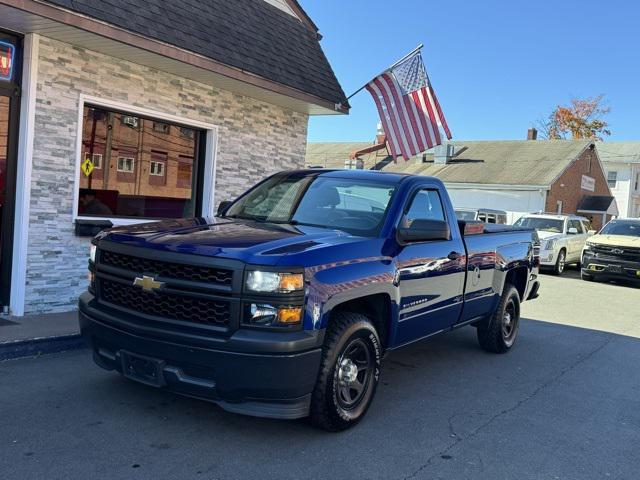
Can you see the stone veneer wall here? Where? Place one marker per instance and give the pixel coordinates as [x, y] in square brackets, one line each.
[254, 139]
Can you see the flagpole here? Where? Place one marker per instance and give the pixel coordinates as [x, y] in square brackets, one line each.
[417, 49]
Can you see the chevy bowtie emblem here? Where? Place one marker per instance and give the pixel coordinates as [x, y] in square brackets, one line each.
[617, 251]
[148, 284]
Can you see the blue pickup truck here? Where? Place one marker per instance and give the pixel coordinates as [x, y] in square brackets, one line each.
[284, 304]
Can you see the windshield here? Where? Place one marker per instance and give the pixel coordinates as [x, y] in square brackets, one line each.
[465, 215]
[631, 229]
[544, 224]
[353, 205]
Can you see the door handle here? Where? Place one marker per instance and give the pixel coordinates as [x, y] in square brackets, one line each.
[453, 256]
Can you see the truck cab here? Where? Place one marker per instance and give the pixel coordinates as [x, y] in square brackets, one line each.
[284, 304]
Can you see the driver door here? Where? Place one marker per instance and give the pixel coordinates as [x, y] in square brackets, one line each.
[575, 240]
[430, 275]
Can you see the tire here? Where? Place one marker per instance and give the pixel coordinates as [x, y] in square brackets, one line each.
[495, 334]
[342, 395]
[586, 277]
[561, 263]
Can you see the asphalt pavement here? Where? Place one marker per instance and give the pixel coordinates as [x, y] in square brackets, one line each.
[563, 404]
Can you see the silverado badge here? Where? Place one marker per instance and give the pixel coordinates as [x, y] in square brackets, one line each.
[617, 251]
[148, 284]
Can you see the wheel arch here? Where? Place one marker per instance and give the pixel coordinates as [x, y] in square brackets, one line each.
[518, 277]
[378, 307]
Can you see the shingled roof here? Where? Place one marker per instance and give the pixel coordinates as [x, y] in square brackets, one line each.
[335, 154]
[517, 162]
[251, 35]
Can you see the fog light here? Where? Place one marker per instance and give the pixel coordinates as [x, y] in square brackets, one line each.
[268, 315]
[263, 314]
[289, 315]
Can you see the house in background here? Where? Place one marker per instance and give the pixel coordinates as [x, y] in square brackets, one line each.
[515, 176]
[175, 106]
[350, 155]
[621, 161]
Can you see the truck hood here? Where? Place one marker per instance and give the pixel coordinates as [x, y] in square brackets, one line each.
[228, 238]
[544, 235]
[615, 240]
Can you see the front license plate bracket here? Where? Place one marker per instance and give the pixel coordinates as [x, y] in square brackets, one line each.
[142, 369]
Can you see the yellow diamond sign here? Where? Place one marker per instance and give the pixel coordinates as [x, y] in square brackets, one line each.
[87, 167]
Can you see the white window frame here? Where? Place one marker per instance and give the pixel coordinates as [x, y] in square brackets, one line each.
[210, 154]
[160, 164]
[96, 165]
[125, 158]
[163, 130]
[613, 173]
[134, 123]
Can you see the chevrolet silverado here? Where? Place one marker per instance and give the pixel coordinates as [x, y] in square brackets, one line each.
[284, 304]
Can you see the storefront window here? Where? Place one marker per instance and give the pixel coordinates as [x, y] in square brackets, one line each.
[140, 167]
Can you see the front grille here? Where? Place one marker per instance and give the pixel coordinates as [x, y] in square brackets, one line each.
[178, 271]
[166, 305]
[623, 253]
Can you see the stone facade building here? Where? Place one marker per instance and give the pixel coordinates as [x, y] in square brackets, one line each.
[170, 124]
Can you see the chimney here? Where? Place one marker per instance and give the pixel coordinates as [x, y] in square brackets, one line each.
[442, 154]
[380, 136]
[532, 134]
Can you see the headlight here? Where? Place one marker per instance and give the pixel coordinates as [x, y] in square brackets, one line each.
[274, 282]
[587, 247]
[92, 253]
[550, 244]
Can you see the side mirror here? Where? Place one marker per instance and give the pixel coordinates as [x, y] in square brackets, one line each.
[224, 205]
[573, 231]
[592, 232]
[423, 230]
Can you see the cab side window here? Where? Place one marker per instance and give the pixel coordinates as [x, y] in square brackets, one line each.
[425, 205]
[577, 225]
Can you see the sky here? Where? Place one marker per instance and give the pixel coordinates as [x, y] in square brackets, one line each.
[496, 66]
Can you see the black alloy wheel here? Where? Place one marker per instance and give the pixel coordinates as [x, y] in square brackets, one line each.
[349, 372]
[354, 372]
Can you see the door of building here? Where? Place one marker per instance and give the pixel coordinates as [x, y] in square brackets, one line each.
[10, 57]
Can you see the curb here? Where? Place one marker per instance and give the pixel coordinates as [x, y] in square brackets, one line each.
[35, 347]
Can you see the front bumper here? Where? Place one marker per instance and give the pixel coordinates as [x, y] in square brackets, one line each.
[548, 258]
[602, 266]
[265, 374]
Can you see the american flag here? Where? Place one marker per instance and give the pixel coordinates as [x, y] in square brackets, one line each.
[410, 113]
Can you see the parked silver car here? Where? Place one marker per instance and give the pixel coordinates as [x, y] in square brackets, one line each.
[561, 238]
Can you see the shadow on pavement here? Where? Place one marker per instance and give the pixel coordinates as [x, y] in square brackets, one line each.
[564, 402]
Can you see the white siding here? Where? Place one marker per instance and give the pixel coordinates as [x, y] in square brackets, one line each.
[622, 189]
[515, 202]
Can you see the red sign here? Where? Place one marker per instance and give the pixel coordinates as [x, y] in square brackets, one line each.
[6, 60]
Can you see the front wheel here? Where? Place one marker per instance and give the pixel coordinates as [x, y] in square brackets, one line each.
[499, 333]
[349, 373]
[561, 262]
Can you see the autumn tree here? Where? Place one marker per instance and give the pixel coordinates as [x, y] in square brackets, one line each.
[583, 118]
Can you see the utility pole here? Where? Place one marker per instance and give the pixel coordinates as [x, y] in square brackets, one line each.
[106, 161]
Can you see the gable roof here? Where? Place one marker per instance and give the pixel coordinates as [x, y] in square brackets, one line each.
[517, 162]
[250, 35]
[623, 152]
[335, 154]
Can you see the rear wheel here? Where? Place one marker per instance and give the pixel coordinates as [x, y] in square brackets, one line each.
[561, 263]
[498, 334]
[349, 373]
